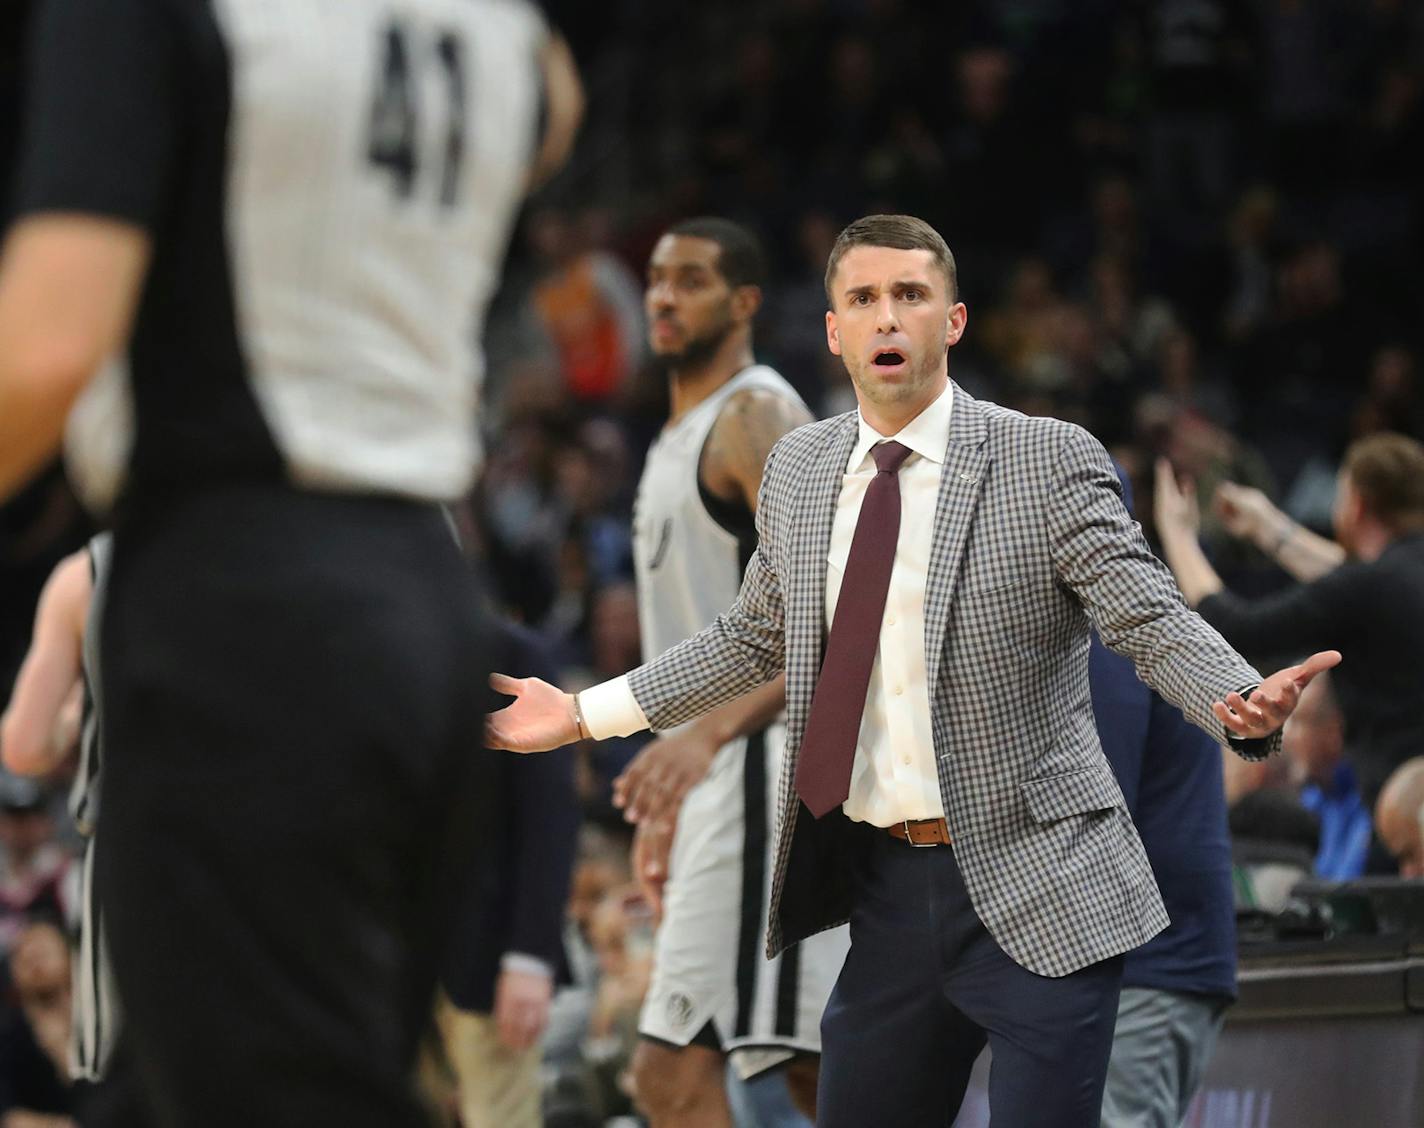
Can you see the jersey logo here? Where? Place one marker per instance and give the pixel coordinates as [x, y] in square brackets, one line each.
[679, 1009]
[664, 541]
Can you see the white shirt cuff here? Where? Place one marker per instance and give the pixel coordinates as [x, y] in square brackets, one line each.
[523, 962]
[610, 709]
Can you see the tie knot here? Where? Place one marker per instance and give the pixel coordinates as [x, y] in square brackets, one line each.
[889, 456]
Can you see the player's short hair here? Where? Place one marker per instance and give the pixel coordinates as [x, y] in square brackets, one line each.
[901, 232]
[741, 260]
[1387, 471]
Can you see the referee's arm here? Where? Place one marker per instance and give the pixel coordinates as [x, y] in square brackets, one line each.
[102, 103]
[564, 104]
[68, 287]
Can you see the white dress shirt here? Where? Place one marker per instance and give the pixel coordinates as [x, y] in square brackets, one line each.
[893, 777]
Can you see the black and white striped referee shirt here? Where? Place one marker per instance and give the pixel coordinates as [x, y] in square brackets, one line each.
[329, 186]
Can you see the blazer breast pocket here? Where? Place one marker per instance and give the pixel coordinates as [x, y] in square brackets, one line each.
[991, 585]
[1081, 792]
[1007, 617]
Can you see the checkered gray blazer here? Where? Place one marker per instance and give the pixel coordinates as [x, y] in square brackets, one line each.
[1031, 545]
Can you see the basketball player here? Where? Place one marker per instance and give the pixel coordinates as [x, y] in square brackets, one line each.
[283, 222]
[713, 993]
[38, 730]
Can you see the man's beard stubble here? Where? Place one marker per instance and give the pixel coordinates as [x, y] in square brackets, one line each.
[697, 351]
[922, 373]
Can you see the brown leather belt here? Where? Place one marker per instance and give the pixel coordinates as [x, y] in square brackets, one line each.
[921, 832]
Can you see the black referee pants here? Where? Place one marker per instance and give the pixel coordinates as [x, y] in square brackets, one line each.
[293, 699]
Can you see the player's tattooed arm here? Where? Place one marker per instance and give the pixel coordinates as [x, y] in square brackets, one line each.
[735, 452]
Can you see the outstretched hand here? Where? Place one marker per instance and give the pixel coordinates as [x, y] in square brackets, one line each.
[540, 718]
[1273, 700]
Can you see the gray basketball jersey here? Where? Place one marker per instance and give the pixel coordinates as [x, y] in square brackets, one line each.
[84, 792]
[689, 567]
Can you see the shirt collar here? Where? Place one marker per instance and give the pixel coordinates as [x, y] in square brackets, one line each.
[927, 434]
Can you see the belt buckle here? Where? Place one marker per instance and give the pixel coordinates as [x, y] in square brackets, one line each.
[910, 838]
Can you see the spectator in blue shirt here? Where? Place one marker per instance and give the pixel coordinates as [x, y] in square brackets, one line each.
[1315, 742]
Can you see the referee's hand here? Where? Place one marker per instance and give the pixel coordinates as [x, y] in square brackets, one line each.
[540, 718]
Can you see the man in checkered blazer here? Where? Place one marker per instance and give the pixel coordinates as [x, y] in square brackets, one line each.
[982, 545]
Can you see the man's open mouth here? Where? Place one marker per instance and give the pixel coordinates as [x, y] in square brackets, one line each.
[889, 358]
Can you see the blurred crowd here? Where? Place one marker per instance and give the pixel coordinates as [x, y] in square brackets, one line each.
[1167, 216]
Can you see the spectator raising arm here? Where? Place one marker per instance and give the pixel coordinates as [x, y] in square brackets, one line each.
[1293, 622]
[1178, 522]
[564, 104]
[1249, 515]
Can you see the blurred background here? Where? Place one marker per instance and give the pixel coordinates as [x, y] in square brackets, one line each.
[1168, 216]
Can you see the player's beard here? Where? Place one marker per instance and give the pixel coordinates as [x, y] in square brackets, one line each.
[698, 350]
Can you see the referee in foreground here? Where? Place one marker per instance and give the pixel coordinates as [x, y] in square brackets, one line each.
[255, 242]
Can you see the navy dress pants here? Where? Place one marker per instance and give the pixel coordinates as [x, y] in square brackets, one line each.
[925, 986]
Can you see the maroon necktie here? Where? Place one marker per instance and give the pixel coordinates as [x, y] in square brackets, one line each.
[828, 746]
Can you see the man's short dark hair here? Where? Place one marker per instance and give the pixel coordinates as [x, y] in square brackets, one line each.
[741, 260]
[900, 232]
[1387, 471]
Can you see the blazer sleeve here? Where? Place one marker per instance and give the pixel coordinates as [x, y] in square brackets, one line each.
[741, 649]
[1131, 598]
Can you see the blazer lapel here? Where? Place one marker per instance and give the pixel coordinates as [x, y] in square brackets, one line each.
[965, 463]
[815, 513]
